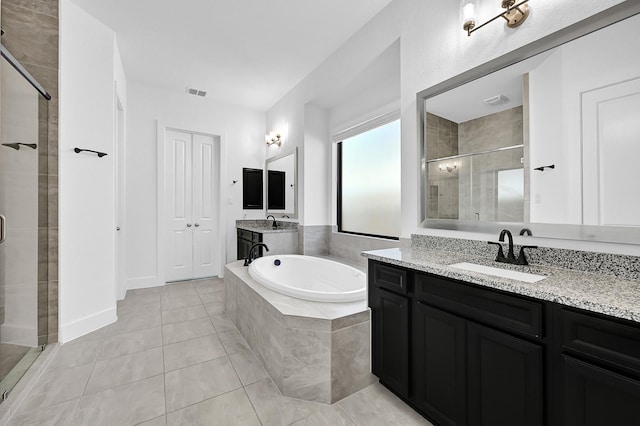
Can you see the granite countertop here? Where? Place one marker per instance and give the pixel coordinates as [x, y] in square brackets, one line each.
[605, 294]
[266, 226]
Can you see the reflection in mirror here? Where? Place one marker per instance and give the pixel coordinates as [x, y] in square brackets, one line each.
[548, 142]
[281, 184]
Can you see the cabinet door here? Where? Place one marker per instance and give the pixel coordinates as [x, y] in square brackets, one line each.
[439, 365]
[391, 341]
[595, 396]
[243, 248]
[505, 379]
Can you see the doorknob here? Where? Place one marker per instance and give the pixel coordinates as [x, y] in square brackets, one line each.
[117, 228]
[188, 225]
[196, 225]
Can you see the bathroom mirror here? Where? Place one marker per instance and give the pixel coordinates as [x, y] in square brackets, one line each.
[282, 176]
[544, 137]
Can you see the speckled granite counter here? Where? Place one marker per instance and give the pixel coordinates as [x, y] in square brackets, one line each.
[605, 294]
[266, 226]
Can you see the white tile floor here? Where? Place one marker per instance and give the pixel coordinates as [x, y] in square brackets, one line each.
[173, 358]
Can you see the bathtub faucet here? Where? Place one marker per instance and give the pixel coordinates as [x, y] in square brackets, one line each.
[250, 257]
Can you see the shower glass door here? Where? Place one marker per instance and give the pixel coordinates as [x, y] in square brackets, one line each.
[22, 131]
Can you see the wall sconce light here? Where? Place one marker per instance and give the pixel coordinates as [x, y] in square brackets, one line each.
[448, 167]
[277, 140]
[515, 14]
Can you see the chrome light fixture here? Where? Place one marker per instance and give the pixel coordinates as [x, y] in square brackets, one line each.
[515, 14]
[277, 140]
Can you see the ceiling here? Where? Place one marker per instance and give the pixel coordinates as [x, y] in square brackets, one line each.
[246, 52]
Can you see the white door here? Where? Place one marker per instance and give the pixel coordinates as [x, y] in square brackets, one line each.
[191, 184]
[179, 207]
[205, 218]
[611, 147]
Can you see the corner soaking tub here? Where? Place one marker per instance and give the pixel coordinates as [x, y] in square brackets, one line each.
[309, 278]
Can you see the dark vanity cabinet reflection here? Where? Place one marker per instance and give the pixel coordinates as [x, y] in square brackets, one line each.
[252, 189]
[276, 190]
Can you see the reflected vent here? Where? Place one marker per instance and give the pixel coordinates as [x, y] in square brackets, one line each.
[496, 100]
[196, 92]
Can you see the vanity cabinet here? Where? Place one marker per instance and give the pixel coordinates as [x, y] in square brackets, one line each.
[600, 369]
[245, 240]
[470, 366]
[390, 309]
[463, 354]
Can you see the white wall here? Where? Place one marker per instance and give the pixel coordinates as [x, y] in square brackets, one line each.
[433, 49]
[88, 57]
[243, 133]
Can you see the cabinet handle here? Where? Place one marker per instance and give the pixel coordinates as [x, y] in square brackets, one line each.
[188, 225]
[196, 225]
[3, 228]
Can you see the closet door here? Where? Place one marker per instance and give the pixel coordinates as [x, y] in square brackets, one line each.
[205, 211]
[179, 205]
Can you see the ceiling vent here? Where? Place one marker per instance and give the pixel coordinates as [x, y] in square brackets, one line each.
[196, 92]
[496, 100]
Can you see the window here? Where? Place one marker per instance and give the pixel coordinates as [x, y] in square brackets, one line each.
[369, 182]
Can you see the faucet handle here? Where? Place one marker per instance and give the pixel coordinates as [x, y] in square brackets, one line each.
[522, 259]
[500, 257]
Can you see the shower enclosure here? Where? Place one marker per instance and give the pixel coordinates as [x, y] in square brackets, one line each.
[23, 144]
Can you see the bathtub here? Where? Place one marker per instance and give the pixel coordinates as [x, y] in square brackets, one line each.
[309, 278]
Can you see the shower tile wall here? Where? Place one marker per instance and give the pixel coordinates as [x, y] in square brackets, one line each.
[442, 137]
[493, 131]
[31, 35]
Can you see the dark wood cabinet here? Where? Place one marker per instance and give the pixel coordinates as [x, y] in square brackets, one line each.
[505, 378]
[245, 240]
[479, 356]
[391, 341]
[439, 365]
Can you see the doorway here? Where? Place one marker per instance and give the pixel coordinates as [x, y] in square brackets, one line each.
[191, 205]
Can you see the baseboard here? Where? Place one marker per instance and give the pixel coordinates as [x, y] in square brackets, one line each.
[86, 325]
[143, 282]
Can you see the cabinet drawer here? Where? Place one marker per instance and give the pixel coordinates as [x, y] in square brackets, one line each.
[610, 341]
[244, 234]
[491, 307]
[390, 278]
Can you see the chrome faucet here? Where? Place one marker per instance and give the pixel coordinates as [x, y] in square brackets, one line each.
[250, 257]
[274, 224]
[510, 257]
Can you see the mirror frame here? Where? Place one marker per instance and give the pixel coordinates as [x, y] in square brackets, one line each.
[628, 235]
[294, 151]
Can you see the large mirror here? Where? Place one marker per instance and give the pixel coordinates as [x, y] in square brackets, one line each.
[282, 184]
[544, 138]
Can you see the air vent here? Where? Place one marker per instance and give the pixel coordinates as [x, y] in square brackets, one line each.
[496, 100]
[196, 92]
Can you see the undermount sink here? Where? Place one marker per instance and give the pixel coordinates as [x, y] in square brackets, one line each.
[504, 273]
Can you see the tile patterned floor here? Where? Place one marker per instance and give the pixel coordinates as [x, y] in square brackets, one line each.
[173, 358]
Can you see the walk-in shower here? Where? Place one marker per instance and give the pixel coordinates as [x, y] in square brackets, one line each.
[23, 214]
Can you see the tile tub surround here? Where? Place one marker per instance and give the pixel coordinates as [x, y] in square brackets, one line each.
[605, 294]
[128, 373]
[313, 351]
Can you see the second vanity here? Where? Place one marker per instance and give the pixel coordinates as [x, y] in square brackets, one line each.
[467, 348]
[282, 239]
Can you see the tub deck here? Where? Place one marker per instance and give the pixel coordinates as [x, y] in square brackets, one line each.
[315, 351]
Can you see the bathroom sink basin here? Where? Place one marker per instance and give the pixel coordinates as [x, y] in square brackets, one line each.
[504, 273]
